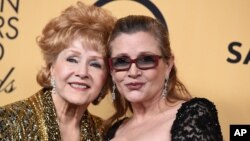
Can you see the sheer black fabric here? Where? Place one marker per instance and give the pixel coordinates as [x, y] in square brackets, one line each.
[196, 120]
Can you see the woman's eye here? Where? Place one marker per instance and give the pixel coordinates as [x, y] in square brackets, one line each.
[147, 59]
[72, 60]
[121, 61]
[96, 64]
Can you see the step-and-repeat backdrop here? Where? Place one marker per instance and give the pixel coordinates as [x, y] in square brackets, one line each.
[210, 40]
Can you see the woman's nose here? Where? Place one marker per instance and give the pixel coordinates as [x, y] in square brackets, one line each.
[134, 71]
[82, 72]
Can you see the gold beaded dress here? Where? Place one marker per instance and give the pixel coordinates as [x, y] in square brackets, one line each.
[34, 119]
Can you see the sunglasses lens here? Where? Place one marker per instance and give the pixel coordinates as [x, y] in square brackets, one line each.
[145, 62]
[142, 62]
[120, 63]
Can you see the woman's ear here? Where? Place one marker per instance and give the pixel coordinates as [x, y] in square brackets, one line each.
[170, 64]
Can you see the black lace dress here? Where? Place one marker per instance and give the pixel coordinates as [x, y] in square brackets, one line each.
[196, 120]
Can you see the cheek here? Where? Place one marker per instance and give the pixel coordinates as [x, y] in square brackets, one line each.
[155, 76]
[61, 71]
[100, 78]
[118, 76]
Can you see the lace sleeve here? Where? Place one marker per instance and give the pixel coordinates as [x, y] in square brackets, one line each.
[197, 120]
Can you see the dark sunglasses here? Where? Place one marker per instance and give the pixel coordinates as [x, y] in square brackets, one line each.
[142, 62]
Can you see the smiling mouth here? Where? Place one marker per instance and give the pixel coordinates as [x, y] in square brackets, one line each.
[79, 86]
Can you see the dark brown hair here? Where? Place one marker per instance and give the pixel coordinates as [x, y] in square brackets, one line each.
[136, 23]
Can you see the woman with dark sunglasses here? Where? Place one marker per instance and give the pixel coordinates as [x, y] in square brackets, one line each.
[146, 84]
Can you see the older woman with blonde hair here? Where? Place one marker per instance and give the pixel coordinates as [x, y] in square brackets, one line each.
[75, 74]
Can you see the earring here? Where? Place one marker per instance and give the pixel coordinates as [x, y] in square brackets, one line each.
[165, 92]
[113, 92]
[53, 85]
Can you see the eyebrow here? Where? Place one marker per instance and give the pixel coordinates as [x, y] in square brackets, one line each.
[141, 53]
[121, 55]
[74, 51]
[78, 53]
[97, 57]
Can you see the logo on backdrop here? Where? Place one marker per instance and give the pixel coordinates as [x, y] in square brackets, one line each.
[233, 47]
[239, 132]
[10, 32]
[239, 56]
[147, 3]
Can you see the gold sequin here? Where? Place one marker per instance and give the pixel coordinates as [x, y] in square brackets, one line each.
[34, 119]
